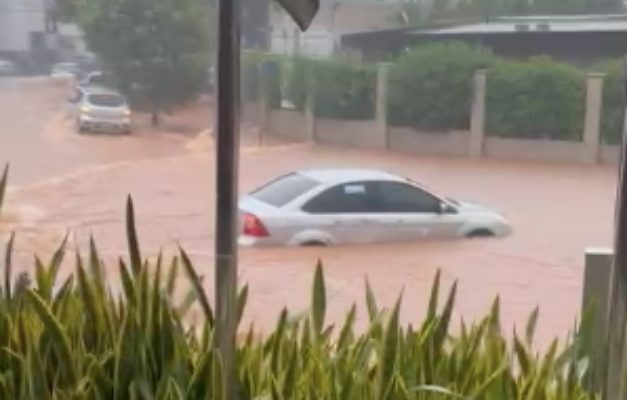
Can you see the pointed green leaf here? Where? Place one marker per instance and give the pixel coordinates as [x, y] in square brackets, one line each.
[319, 299]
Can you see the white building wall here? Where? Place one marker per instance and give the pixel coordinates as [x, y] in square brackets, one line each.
[18, 18]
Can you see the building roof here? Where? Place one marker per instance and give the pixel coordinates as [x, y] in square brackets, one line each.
[579, 23]
[501, 25]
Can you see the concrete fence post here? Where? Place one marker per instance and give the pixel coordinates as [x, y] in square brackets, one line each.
[477, 115]
[596, 297]
[381, 109]
[264, 103]
[592, 120]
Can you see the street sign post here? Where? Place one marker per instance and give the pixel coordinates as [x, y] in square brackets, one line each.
[227, 175]
[616, 356]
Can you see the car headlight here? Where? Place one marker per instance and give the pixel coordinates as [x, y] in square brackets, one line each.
[85, 109]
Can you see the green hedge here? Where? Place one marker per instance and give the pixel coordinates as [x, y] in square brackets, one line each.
[431, 87]
[613, 101]
[252, 79]
[341, 89]
[539, 98]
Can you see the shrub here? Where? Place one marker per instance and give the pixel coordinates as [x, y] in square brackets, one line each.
[539, 98]
[431, 86]
[76, 340]
[252, 79]
[613, 100]
[341, 89]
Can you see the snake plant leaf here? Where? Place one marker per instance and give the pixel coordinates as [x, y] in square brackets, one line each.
[171, 280]
[90, 298]
[371, 302]
[4, 182]
[434, 296]
[37, 382]
[59, 335]
[442, 392]
[8, 263]
[197, 286]
[131, 237]
[319, 300]
[242, 300]
[389, 352]
[127, 283]
[530, 329]
[347, 329]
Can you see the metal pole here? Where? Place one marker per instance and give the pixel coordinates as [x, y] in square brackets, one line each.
[616, 356]
[226, 177]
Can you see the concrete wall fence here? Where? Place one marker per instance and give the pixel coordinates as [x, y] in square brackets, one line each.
[375, 134]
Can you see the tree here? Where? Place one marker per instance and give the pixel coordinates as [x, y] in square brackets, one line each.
[156, 50]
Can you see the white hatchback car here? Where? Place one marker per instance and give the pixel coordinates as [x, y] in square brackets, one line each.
[66, 71]
[325, 207]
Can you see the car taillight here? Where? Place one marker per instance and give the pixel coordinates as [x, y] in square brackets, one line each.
[254, 227]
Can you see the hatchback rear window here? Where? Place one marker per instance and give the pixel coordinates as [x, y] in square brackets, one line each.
[107, 100]
[281, 191]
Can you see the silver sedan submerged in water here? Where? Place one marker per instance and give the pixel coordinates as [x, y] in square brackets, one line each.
[325, 207]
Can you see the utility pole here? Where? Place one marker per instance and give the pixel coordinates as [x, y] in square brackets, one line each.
[616, 355]
[227, 176]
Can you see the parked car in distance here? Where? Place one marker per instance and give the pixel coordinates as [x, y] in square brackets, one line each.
[99, 109]
[65, 71]
[325, 207]
[7, 68]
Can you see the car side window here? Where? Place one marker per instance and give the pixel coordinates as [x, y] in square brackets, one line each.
[348, 198]
[398, 197]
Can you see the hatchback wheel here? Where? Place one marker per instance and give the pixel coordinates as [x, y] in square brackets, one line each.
[480, 233]
[314, 243]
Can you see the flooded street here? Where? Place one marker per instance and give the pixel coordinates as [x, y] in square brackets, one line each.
[65, 181]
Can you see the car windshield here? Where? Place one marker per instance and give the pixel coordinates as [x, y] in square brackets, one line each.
[106, 100]
[284, 189]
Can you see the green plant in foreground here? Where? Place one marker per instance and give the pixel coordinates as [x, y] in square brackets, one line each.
[76, 339]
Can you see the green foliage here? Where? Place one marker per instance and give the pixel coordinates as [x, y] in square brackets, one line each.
[157, 50]
[340, 89]
[538, 98]
[252, 77]
[75, 339]
[613, 100]
[430, 87]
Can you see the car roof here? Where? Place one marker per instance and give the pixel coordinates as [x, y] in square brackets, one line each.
[340, 175]
[97, 89]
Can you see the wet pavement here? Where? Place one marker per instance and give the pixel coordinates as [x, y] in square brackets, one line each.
[65, 181]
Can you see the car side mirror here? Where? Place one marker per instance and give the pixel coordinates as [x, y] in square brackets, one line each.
[446, 208]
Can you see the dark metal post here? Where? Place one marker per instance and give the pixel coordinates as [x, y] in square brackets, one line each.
[616, 356]
[227, 178]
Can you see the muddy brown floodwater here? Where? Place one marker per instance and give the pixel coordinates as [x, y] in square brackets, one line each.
[557, 210]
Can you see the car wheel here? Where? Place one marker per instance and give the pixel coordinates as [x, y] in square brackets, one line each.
[313, 243]
[80, 129]
[480, 233]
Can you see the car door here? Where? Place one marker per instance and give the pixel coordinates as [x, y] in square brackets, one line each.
[417, 213]
[346, 212]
